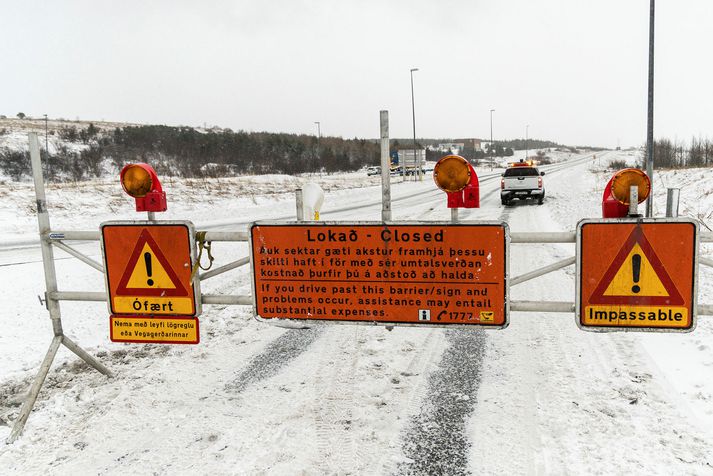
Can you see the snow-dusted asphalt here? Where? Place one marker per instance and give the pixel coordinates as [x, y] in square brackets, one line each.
[538, 397]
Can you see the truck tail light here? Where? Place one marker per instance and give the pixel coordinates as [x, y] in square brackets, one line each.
[539, 182]
[502, 184]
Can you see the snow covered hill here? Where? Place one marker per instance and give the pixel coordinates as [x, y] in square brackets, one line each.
[539, 397]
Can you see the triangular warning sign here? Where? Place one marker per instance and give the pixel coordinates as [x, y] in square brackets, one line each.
[151, 275]
[636, 276]
[148, 272]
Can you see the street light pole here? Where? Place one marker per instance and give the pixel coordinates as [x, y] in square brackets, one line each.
[650, 122]
[491, 138]
[47, 150]
[319, 134]
[527, 131]
[416, 161]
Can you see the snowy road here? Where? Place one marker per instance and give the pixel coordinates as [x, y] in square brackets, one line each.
[538, 397]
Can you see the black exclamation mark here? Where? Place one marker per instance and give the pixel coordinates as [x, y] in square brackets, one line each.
[147, 260]
[636, 268]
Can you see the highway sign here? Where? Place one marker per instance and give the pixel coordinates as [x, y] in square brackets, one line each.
[154, 329]
[637, 274]
[148, 268]
[417, 274]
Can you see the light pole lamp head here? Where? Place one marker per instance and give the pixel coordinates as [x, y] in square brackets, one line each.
[414, 69]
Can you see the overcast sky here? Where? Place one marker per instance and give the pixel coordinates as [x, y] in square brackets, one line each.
[574, 70]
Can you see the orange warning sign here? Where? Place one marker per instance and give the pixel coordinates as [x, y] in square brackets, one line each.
[637, 274]
[428, 274]
[148, 268]
[154, 330]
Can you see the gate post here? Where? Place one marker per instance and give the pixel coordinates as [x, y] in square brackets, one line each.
[51, 302]
[385, 167]
[299, 204]
[672, 196]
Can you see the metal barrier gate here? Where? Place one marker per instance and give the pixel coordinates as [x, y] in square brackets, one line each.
[50, 239]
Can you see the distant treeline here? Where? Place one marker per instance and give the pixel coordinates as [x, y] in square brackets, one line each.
[522, 144]
[86, 152]
[678, 154]
[187, 152]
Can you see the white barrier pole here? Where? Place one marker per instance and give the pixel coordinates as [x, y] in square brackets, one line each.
[672, 196]
[300, 205]
[385, 168]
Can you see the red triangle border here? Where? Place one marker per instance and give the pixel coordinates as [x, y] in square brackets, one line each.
[637, 236]
[144, 238]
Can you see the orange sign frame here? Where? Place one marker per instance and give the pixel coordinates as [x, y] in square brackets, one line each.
[132, 250]
[637, 274]
[429, 274]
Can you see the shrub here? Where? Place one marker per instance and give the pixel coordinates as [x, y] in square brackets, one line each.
[618, 165]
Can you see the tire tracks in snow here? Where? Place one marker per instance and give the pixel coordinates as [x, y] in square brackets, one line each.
[334, 405]
[279, 353]
[418, 366]
[347, 439]
[436, 441]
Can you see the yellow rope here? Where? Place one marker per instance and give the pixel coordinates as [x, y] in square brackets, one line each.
[202, 244]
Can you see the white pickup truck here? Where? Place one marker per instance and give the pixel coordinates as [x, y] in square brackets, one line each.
[522, 181]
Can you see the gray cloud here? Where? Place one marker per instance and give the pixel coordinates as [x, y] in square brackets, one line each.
[574, 70]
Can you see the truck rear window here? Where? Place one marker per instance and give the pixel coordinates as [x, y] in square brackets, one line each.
[521, 172]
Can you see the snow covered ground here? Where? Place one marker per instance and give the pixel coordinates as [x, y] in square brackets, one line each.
[539, 397]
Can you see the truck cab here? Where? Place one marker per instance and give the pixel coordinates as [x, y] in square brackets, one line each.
[522, 181]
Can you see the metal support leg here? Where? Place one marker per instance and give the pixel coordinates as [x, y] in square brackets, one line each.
[43, 222]
[81, 353]
[454, 215]
[34, 390]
